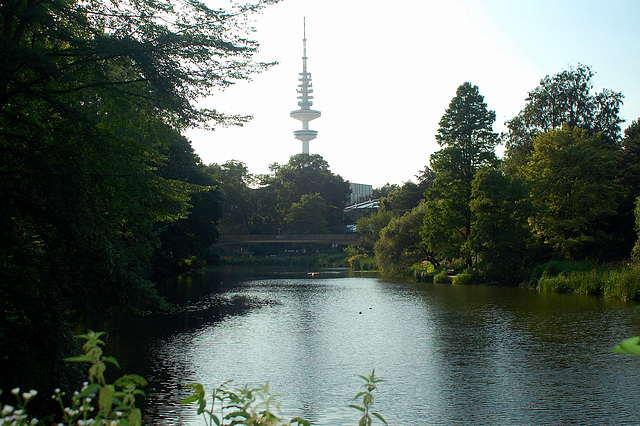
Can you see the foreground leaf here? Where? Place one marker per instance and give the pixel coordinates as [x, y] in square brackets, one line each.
[629, 346]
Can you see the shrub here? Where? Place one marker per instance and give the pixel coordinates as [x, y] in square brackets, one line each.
[333, 260]
[441, 278]
[422, 271]
[589, 282]
[362, 262]
[98, 402]
[250, 406]
[469, 277]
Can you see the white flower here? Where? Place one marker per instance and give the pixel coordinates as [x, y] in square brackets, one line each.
[28, 395]
[15, 391]
[7, 409]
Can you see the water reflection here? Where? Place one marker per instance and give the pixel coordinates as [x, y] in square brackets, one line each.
[450, 355]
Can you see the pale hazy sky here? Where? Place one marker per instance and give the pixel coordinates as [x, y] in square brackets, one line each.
[385, 71]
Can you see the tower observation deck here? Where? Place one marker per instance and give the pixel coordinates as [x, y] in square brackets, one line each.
[305, 89]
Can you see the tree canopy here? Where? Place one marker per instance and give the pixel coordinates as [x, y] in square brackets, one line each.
[309, 216]
[566, 190]
[630, 160]
[304, 174]
[573, 191]
[235, 181]
[564, 98]
[165, 53]
[468, 141]
[500, 235]
[98, 185]
[400, 245]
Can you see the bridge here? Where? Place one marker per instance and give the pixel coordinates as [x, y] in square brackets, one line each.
[366, 204]
[339, 239]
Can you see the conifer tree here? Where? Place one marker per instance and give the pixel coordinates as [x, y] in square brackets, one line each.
[468, 140]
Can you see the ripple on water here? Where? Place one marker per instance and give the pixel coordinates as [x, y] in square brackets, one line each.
[449, 355]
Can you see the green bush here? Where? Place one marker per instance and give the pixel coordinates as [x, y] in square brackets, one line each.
[422, 272]
[441, 278]
[467, 278]
[98, 402]
[362, 262]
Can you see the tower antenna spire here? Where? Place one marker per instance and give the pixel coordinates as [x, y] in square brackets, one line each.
[305, 114]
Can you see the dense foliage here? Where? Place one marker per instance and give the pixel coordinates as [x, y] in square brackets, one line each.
[563, 99]
[399, 245]
[636, 249]
[572, 187]
[468, 141]
[566, 190]
[100, 191]
[302, 196]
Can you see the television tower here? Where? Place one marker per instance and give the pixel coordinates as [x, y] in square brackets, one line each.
[305, 89]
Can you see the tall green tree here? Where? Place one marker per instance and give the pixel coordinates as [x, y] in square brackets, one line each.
[635, 253]
[409, 195]
[629, 180]
[630, 160]
[369, 227]
[564, 98]
[500, 233]
[468, 141]
[385, 190]
[572, 179]
[186, 243]
[400, 244]
[305, 174]
[309, 216]
[235, 181]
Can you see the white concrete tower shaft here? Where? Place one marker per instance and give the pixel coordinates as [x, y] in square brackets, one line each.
[305, 89]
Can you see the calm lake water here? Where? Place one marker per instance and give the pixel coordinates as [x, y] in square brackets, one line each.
[448, 354]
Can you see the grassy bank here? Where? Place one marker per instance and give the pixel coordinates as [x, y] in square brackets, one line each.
[614, 282]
